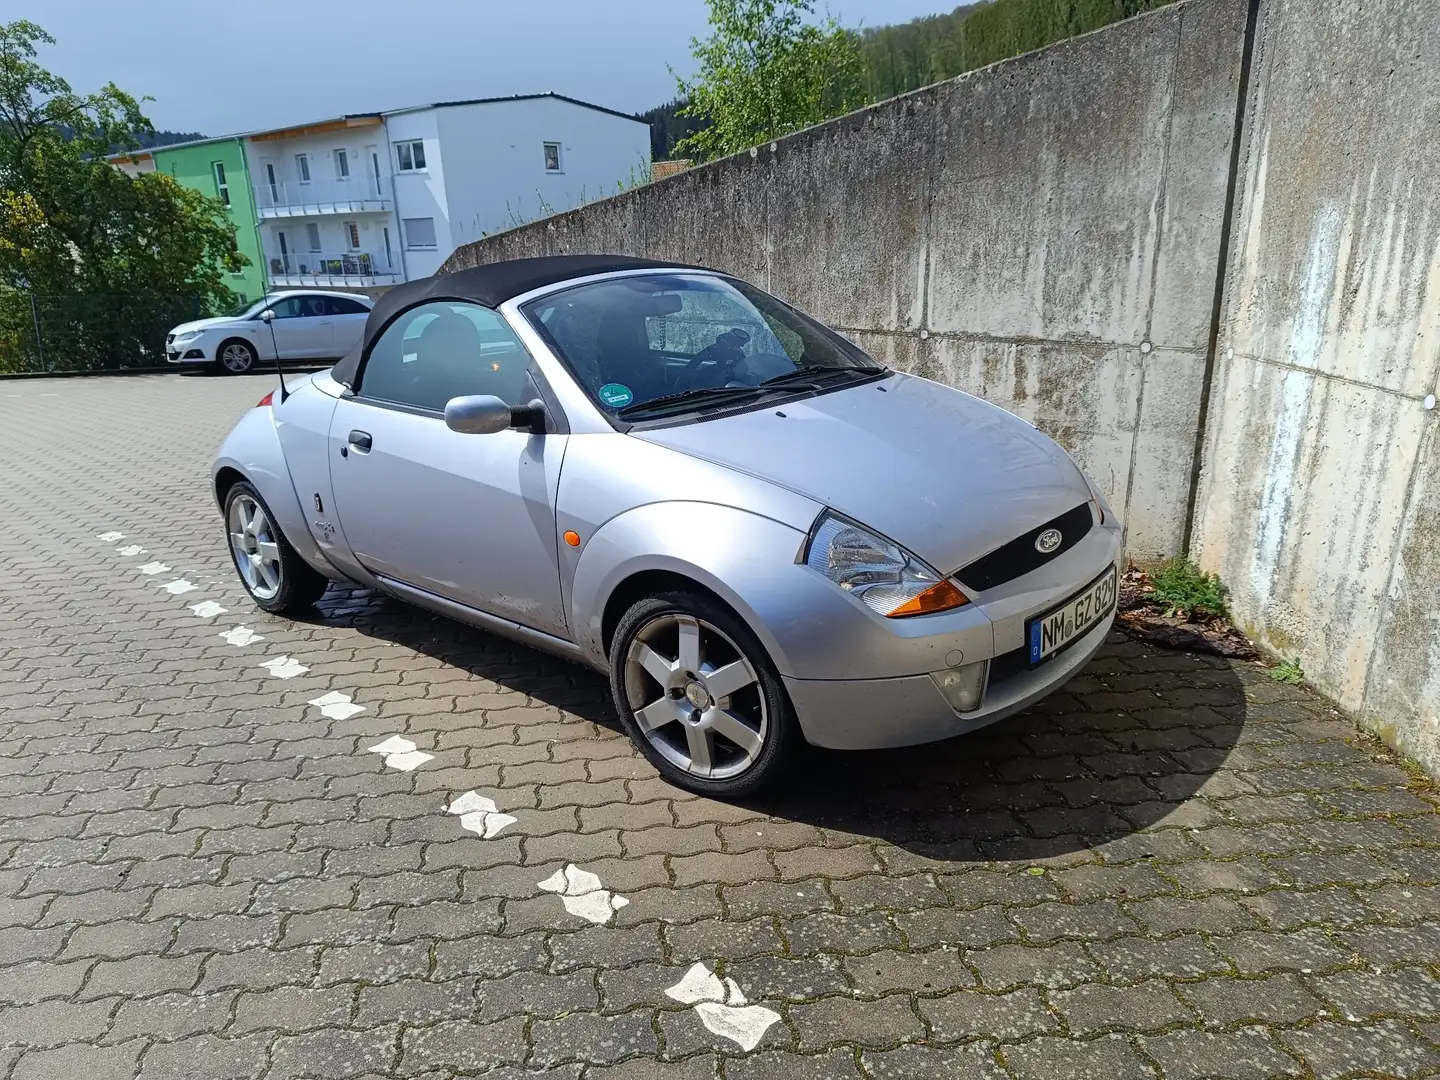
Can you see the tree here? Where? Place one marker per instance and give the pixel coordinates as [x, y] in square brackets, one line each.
[767, 70]
[106, 263]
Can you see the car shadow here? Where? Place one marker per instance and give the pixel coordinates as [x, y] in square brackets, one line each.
[1122, 747]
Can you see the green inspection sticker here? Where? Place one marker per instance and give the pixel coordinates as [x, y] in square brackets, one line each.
[616, 395]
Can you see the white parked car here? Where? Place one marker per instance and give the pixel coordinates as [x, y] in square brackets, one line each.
[309, 326]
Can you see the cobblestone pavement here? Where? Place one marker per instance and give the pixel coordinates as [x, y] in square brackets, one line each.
[1176, 868]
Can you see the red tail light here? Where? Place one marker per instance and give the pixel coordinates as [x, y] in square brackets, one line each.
[264, 401]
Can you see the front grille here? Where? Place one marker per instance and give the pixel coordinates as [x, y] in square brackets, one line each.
[1019, 555]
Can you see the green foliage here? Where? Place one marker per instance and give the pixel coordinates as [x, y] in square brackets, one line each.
[105, 262]
[765, 71]
[926, 50]
[1183, 588]
[1289, 672]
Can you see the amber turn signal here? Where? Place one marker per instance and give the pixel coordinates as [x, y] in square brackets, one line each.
[572, 538]
[939, 597]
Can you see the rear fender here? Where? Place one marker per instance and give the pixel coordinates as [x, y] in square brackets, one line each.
[745, 559]
[252, 449]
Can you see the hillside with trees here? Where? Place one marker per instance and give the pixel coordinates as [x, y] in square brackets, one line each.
[892, 59]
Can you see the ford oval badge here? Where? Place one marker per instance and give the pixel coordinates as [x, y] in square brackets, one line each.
[1048, 541]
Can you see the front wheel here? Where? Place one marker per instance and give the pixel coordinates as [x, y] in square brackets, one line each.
[699, 696]
[237, 357]
[276, 578]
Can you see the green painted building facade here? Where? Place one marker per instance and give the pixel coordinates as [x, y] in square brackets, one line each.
[217, 168]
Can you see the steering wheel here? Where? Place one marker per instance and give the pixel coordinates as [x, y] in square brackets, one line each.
[721, 355]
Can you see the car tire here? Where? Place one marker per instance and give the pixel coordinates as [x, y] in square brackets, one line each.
[671, 697]
[274, 575]
[236, 357]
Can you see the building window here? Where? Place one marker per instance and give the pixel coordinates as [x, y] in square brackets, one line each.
[352, 234]
[419, 232]
[552, 157]
[312, 233]
[302, 167]
[221, 188]
[410, 155]
[342, 165]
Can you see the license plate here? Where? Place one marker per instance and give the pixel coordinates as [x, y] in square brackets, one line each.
[1051, 632]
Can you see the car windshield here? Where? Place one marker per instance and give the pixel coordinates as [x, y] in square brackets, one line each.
[678, 342]
[243, 309]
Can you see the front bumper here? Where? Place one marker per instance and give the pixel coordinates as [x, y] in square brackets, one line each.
[190, 354]
[871, 714]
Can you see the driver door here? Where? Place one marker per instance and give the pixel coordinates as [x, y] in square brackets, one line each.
[470, 518]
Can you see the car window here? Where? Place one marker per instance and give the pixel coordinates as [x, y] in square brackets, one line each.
[446, 349]
[339, 305]
[286, 308]
[634, 339]
[313, 307]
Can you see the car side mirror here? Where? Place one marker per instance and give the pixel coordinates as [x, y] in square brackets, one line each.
[268, 315]
[477, 414]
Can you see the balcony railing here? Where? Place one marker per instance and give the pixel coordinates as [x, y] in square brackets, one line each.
[321, 268]
[294, 198]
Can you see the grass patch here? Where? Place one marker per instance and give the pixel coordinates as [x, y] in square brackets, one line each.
[1183, 589]
[1289, 672]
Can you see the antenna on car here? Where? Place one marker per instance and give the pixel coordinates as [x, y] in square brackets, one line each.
[268, 318]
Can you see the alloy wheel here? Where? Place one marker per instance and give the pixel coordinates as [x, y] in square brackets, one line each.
[236, 358]
[695, 696]
[256, 548]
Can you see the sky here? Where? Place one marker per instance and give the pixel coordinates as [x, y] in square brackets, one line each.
[221, 68]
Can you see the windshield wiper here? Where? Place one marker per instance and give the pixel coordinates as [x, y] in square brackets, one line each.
[707, 395]
[810, 372]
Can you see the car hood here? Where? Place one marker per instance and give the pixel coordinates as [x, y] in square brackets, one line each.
[202, 324]
[947, 475]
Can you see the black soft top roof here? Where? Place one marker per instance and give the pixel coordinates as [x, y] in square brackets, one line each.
[491, 285]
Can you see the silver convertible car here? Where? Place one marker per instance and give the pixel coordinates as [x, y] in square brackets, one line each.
[759, 533]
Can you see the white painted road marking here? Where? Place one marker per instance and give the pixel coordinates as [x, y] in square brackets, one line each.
[179, 587]
[480, 815]
[152, 568]
[130, 550]
[581, 893]
[336, 706]
[110, 537]
[240, 635]
[284, 667]
[400, 753]
[208, 609]
[722, 1007]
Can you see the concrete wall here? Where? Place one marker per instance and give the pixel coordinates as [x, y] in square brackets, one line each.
[1044, 232]
[1320, 495]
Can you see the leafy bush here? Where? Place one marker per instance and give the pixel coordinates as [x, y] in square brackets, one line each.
[1182, 588]
[1288, 671]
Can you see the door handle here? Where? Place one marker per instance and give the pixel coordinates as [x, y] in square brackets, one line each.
[360, 441]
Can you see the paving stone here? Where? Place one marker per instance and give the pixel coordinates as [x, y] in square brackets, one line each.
[1280, 999]
[969, 1014]
[333, 1053]
[1335, 1050]
[80, 1060]
[54, 1023]
[975, 1061]
[1361, 995]
[537, 995]
[292, 1008]
[1049, 1058]
[1063, 964]
[879, 1023]
[1246, 1054]
[205, 1057]
[1146, 1006]
[935, 972]
[591, 1037]
[1260, 951]
[837, 1064]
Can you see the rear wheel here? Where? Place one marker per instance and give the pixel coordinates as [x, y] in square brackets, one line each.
[276, 578]
[237, 357]
[699, 696]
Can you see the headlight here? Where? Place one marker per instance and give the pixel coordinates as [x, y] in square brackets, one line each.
[884, 575]
[187, 336]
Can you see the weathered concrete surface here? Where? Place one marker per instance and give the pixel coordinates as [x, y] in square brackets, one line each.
[1020, 232]
[1320, 496]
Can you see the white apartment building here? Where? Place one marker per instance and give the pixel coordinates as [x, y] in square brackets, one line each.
[379, 198]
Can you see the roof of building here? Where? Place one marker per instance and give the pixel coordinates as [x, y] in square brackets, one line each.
[491, 285]
[347, 117]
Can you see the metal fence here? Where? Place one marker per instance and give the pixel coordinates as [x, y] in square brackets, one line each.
[43, 332]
